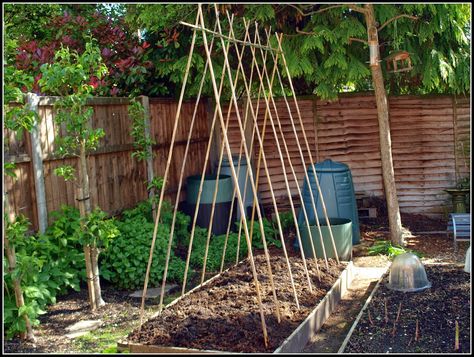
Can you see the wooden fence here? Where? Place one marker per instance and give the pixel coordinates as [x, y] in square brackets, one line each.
[117, 180]
[430, 145]
[430, 142]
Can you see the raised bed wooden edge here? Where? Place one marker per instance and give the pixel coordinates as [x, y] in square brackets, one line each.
[293, 343]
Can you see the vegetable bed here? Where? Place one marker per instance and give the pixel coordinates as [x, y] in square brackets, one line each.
[224, 315]
[436, 309]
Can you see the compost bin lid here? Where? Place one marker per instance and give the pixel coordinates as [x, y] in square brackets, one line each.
[331, 166]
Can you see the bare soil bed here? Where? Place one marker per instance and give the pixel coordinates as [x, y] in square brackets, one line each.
[224, 315]
[437, 309]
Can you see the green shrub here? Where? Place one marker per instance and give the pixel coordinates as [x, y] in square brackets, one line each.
[126, 260]
[48, 264]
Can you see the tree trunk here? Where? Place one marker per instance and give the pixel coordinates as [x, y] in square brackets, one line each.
[96, 282]
[91, 254]
[10, 252]
[384, 130]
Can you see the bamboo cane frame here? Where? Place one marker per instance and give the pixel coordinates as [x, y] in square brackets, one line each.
[279, 39]
[293, 171]
[165, 177]
[178, 193]
[229, 155]
[260, 140]
[229, 224]
[198, 200]
[303, 206]
[252, 180]
[285, 176]
[221, 155]
[247, 106]
[297, 140]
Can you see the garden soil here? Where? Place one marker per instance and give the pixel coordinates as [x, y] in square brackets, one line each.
[121, 314]
[435, 310]
[224, 315]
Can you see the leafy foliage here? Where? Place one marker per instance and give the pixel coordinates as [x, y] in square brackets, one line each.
[216, 248]
[47, 265]
[385, 247]
[322, 56]
[270, 234]
[126, 260]
[136, 111]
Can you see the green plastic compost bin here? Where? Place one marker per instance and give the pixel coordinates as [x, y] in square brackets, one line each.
[335, 180]
[341, 231]
[223, 201]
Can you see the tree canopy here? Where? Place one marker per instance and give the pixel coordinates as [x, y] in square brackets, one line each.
[325, 45]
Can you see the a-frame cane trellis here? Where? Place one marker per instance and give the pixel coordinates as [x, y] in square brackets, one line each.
[265, 84]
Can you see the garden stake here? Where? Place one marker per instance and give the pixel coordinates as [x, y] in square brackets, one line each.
[287, 152]
[456, 337]
[229, 155]
[323, 205]
[286, 179]
[386, 311]
[297, 141]
[370, 317]
[178, 193]
[396, 320]
[252, 181]
[165, 177]
[260, 140]
[417, 331]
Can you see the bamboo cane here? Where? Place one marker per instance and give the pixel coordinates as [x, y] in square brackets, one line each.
[260, 140]
[252, 180]
[284, 176]
[305, 214]
[297, 140]
[181, 176]
[229, 155]
[307, 145]
[165, 177]
[198, 200]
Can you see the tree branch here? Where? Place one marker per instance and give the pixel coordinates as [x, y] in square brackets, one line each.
[352, 7]
[395, 18]
[357, 40]
[304, 32]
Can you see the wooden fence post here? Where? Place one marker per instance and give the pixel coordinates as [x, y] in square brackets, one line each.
[37, 161]
[149, 161]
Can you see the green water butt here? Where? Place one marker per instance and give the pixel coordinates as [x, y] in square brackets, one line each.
[342, 233]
